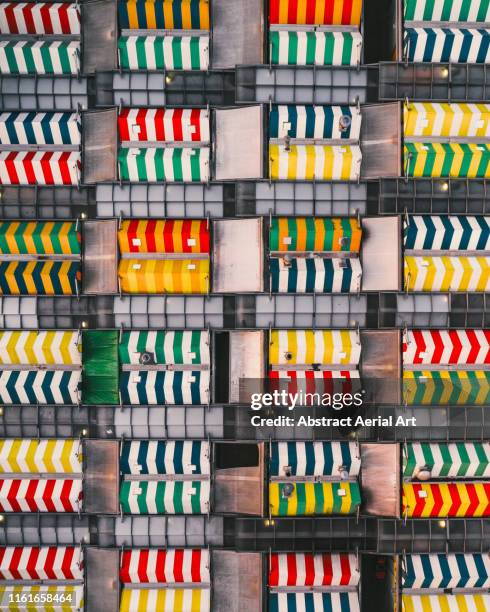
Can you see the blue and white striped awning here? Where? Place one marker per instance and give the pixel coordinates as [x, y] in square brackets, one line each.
[39, 386]
[456, 45]
[446, 571]
[165, 457]
[39, 128]
[447, 233]
[314, 122]
[143, 387]
[303, 275]
[314, 458]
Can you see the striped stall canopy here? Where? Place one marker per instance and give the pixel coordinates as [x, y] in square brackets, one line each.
[426, 119]
[39, 128]
[296, 48]
[315, 275]
[447, 460]
[39, 277]
[39, 57]
[163, 52]
[39, 348]
[442, 273]
[318, 122]
[313, 381]
[41, 563]
[446, 347]
[303, 570]
[315, 12]
[163, 276]
[39, 238]
[314, 162]
[167, 347]
[462, 602]
[446, 387]
[72, 593]
[39, 386]
[153, 387]
[473, 11]
[165, 600]
[446, 571]
[170, 566]
[314, 602]
[325, 346]
[314, 498]
[164, 497]
[31, 456]
[39, 18]
[455, 45]
[30, 495]
[164, 125]
[314, 459]
[447, 233]
[163, 14]
[438, 499]
[315, 234]
[39, 167]
[164, 457]
[447, 159]
[164, 236]
[171, 165]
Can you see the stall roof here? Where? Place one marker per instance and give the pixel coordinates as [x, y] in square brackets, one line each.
[381, 254]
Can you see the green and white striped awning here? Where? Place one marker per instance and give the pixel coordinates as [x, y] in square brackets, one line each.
[447, 460]
[173, 165]
[305, 48]
[164, 52]
[165, 497]
[39, 57]
[167, 347]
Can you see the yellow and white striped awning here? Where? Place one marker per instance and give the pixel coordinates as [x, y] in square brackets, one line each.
[434, 119]
[444, 602]
[30, 456]
[307, 347]
[443, 273]
[40, 348]
[314, 162]
[165, 600]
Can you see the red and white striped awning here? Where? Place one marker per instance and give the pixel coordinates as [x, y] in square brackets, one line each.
[446, 347]
[164, 125]
[39, 167]
[172, 566]
[300, 570]
[41, 563]
[39, 18]
[45, 495]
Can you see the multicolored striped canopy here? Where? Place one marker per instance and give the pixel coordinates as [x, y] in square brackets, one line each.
[40, 128]
[314, 122]
[39, 277]
[164, 497]
[39, 238]
[172, 165]
[164, 236]
[302, 275]
[446, 571]
[314, 498]
[455, 45]
[163, 52]
[303, 234]
[297, 48]
[443, 273]
[447, 460]
[315, 162]
[446, 233]
[163, 276]
[446, 160]
[39, 57]
[315, 12]
[163, 14]
[453, 499]
[446, 387]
